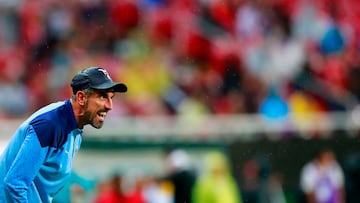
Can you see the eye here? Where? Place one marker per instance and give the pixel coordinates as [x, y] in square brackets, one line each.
[103, 95]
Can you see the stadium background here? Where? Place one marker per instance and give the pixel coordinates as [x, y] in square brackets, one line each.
[265, 80]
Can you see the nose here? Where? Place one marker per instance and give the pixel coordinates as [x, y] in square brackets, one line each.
[109, 104]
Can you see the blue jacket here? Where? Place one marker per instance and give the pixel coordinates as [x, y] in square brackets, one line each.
[38, 159]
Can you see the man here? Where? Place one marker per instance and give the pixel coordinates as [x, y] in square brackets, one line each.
[322, 179]
[38, 159]
[180, 174]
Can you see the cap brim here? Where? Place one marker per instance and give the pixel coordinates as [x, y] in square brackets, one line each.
[112, 86]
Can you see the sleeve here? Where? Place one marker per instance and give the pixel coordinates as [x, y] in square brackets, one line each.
[201, 192]
[307, 179]
[337, 175]
[25, 167]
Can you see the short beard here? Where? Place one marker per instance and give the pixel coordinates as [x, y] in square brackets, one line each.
[88, 117]
[97, 127]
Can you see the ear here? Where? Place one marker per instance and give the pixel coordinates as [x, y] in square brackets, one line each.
[81, 97]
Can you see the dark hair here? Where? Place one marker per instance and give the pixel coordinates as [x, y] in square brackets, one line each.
[87, 91]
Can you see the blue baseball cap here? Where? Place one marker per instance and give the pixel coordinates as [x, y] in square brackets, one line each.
[96, 78]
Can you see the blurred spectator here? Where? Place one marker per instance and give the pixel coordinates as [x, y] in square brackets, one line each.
[250, 181]
[275, 191]
[124, 15]
[274, 107]
[259, 184]
[216, 183]
[136, 195]
[333, 39]
[352, 177]
[138, 186]
[250, 21]
[156, 191]
[322, 179]
[110, 191]
[180, 173]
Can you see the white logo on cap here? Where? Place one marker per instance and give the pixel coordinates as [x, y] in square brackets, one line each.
[105, 73]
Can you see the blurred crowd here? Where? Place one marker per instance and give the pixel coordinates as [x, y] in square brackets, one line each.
[212, 179]
[181, 182]
[185, 57]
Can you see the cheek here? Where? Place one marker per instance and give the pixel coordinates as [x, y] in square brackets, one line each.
[94, 105]
[89, 105]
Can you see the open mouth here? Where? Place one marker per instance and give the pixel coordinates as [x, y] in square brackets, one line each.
[102, 116]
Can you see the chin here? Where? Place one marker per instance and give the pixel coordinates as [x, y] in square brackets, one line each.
[98, 126]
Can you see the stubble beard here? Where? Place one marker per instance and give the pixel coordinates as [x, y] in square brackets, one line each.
[91, 118]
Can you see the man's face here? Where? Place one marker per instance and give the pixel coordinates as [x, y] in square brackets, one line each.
[97, 106]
